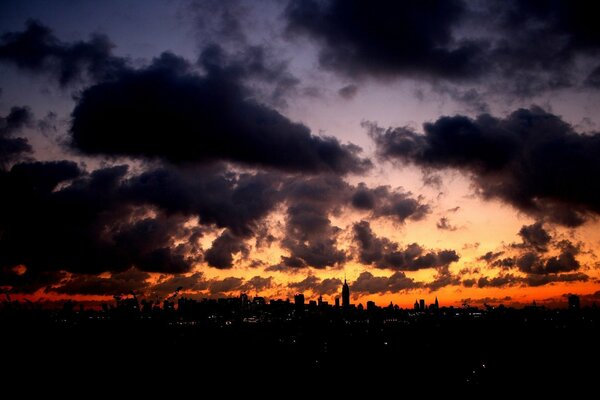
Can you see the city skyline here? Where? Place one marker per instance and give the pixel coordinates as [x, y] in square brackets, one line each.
[273, 148]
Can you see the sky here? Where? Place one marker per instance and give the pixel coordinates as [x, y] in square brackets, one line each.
[423, 149]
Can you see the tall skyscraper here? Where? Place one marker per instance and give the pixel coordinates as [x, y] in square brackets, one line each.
[345, 295]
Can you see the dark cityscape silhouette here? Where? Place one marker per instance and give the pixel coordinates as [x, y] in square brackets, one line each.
[458, 348]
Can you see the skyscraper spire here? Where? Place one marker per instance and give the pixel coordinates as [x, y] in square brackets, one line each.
[345, 293]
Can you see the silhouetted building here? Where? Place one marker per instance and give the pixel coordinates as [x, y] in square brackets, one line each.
[259, 301]
[436, 304]
[422, 305]
[320, 301]
[337, 302]
[574, 302]
[299, 302]
[345, 295]
[416, 306]
[244, 299]
[371, 306]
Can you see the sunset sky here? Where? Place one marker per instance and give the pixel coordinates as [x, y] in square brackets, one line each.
[416, 149]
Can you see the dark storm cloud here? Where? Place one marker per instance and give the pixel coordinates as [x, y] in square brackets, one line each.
[12, 148]
[257, 67]
[367, 283]
[564, 262]
[531, 255]
[526, 47]
[223, 248]
[532, 260]
[199, 119]
[61, 218]
[17, 119]
[383, 253]
[535, 236]
[36, 49]
[539, 42]
[385, 202]
[317, 285]
[310, 237]
[387, 38]
[28, 280]
[119, 283]
[531, 159]
[216, 196]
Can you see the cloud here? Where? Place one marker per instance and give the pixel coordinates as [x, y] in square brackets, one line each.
[199, 119]
[502, 280]
[327, 286]
[61, 218]
[228, 200]
[169, 284]
[441, 42]
[383, 253]
[12, 148]
[445, 225]
[220, 255]
[382, 201]
[257, 283]
[443, 278]
[367, 283]
[27, 280]
[118, 283]
[387, 39]
[348, 92]
[310, 237]
[530, 159]
[564, 262]
[540, 280]
[490, 256]
[225, 285]
[535, 236]
[531, 280]
[37, 50]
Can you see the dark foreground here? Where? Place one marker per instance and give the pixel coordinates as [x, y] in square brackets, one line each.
[375, 351]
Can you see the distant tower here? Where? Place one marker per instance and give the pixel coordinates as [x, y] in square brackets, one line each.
[416, 307]
[437, 304]
[421, 305]
[345, 294]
